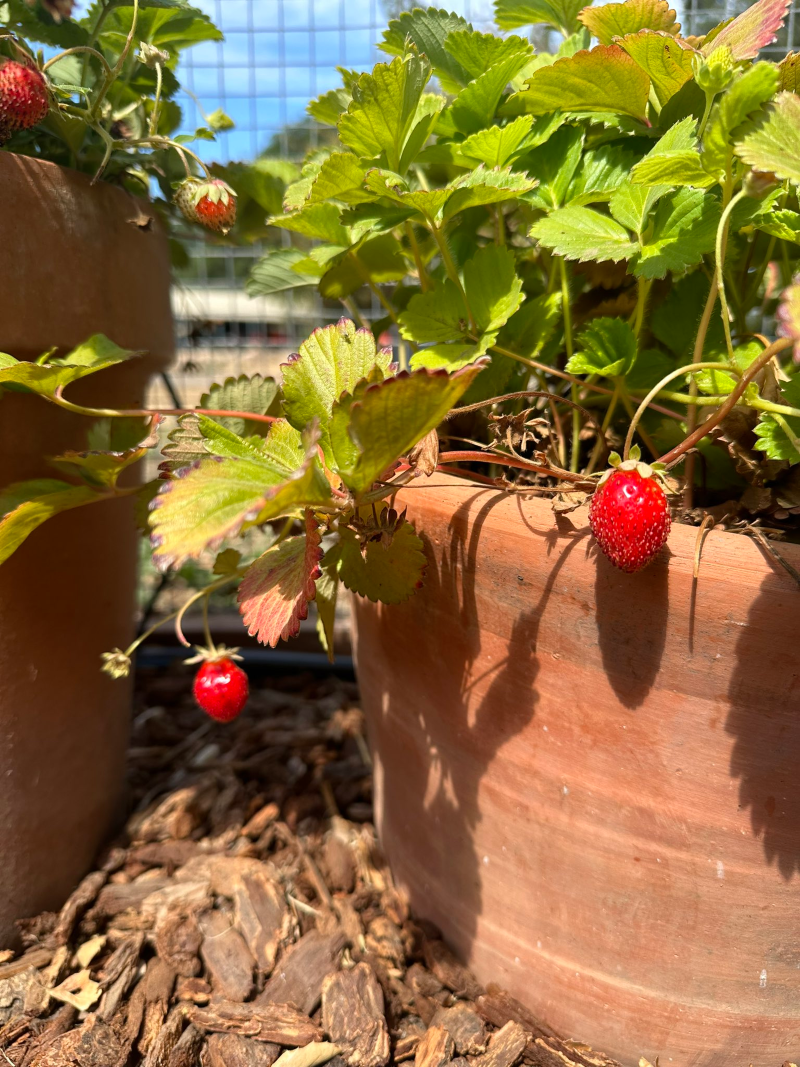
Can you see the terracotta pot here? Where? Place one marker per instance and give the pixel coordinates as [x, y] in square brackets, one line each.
[589, 780]
[73, 264]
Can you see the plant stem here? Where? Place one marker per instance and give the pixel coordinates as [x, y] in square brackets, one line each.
[645, 436]
[113, 413]
[721, 246]
[179, 614]
[154, 116]
[755, 368]
[706, 113]
[424, 280]
[600, 444]
[73, 51]
[567, 311]
[642, 292]
[452, 272]
[511, 461]
[691, 368]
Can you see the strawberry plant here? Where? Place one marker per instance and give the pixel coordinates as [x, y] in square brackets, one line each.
[97, 92]
[580, 251]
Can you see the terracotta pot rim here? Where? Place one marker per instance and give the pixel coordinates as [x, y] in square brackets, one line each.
[92, 187]
[682, 540]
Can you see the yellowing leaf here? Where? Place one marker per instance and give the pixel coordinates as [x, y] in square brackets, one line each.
[389, 572]
[215, 498]
[789, 73]
[603, 79]
[751, 31]
[26, 505]
[617, 20]
[667, 61]
[45, 378]
[276, 588]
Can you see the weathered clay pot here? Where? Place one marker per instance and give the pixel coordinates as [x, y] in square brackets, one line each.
[590, 780]
[73, 264]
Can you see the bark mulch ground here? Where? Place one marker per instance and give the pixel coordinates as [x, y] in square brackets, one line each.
[245, 917]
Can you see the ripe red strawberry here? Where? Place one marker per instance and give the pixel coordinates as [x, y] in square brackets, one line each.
[23, 97]
[221, 689]
[212, 203]
[629, 515]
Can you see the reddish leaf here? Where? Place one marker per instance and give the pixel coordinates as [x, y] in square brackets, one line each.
[603, 79]
[275, 591]
[616, 20]
[751, 31]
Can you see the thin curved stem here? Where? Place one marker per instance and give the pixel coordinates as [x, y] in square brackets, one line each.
[721, 246]
[73, 51]
[690, 368]
[154, 116]
[179, 614]
[755, 368]
[511, 461]
[114, 413]
[452, 271]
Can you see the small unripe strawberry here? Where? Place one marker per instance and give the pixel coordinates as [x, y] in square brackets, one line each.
[221, 689]
[24, 101]
[629, 515]
[212, 203]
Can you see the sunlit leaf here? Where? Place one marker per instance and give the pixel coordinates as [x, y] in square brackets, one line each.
[274, 273]
[606, 347]
[253, 394]
[750, 91]
[751, 31]
[616, 20]
[428, 30]
[603, 79]
[583, 234]
[26, 505]
[396, 413]
[667, 61]
[560, 14]
[341, 177]
[774, 143]
[331, 362]
[276, 588]
[47, 378]
[684, 229]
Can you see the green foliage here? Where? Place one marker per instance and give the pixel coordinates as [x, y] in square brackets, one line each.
[774, 143]
[607, 347]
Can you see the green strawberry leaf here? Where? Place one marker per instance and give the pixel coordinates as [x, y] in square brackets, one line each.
[428, 30]
[774, 143]
[616, 20]
[383, 112]
[680, 168]
[600, 171]
[50, 377]
[255, 394]
[498, 145]
[276, 588]
[560, 14]
[606, 347]
[329, 107]
[475, 106]
[396, 413]
[773, 439]
[274, 273]
[436, 315]
[331, 362]
[341, 177]
[632, 204]
[477, 53]
[531, 328]
[494, 292]
[583, 234]
[603, 79]
[26, 505]
[315, 220]
[217, 497]
[684, 230]
[783, 224]
[386, 573]
[100, 469]
[748, 93]
[554, 164]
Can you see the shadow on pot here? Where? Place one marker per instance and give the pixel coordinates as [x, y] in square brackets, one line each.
[766, 753]
[445, 756]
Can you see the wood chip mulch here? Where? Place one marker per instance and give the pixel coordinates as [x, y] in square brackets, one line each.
[245, 917]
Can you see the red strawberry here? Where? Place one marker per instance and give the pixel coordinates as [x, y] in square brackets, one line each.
[212, 203]
[629, 515]
[221, 689]
[23, 97]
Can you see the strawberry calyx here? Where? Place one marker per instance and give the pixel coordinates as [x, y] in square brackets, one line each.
[215, 190]
[654, 470]
[213, 654]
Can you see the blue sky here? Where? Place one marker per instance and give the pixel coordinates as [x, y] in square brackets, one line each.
[276, 56]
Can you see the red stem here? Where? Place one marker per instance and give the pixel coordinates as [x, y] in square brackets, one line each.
[510, 461]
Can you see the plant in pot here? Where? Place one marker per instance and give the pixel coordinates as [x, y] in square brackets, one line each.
[584, 774]
[88, 124]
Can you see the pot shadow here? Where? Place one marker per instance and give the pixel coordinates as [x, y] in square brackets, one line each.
[459, 738]
[764, 717]
[631, 613]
